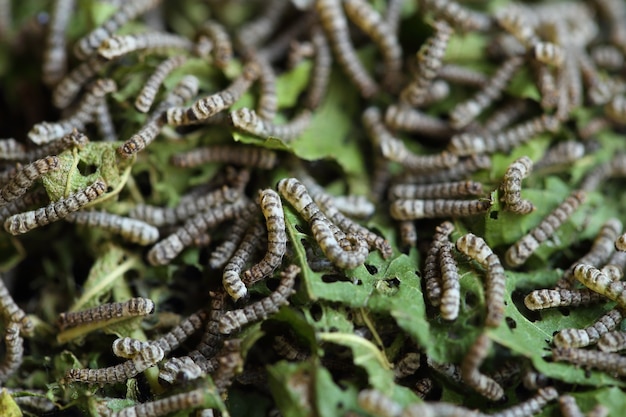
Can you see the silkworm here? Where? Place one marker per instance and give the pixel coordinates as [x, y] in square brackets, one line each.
[520, 22]
[532, 380]
[222, 46]
[233, 237]
[434, 191]
[233, 320]
[54, 57]
[563, 153]
[208, 106]
[521, 250]
[363, 15]
[512, 186]
[296, 194]
[119, 45]
[180, 369]
[248, 121]
[450, 371]
[408, 234]
[542, 299]
[335, 26]
[249, 156]
[186, 88]
[505, 115]
[145, 358]
[584, 337]
[42, 133]
[549, 53]
[620, 243]
[320, 73]
[458, 16]
[568, 406]
[495, 285]
[169, 216]
[429, 61]
[412, 209]
[288, 350]
[256, 31]
[507, 372]
[615, 12]
[599, 253]
[608, 57]
[354, 205]
[87, 45]
[423, 387]
[149, 90]
[68, 88]
[471, 374]
[167, 249]
[171, 340]
[613, 363]
[74, 139]
[465, 112]
[596, 280]
[132, 230]
[376, 403]
[24, 178]
[463, 169]
[406, 119]
[127, 347]
[10, 149]
[612, 341]
[451, 287]
[231, 278]
[229, 361]
[108, 311]
[432, 274]
[462, 75]
[13, 312]
[272, 210]
[599, 90]
[28, 220]
[471, 143]
[28, 200]
[268, 98]
[348, 226]
[531, 406]
[14, 351]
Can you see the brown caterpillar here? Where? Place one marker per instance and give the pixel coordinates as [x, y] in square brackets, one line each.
[432, 275]
[248, 121]
[54, 57]
[471, 374]
[420, 209]
[132, 230]
[120, 45]
[512, 186]
[131, 308]
[165, 406]
[24, 178]
[435, 191]
[584, 337]
[249, 156]
[14, 351]
[149, 90]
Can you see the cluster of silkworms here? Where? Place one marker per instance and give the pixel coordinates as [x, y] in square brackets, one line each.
[185, 137]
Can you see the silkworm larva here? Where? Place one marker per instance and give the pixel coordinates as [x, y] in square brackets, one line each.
[471, 374]
[13, 312]
[419, 209]
[208, 106]
[132, 230]
[229, 363]
[432, 274]
[512, 186]
[146, 358]
[68, 88]
[465, 112]
[14, 351]
[458, 16]
[568, 406]
[288, 350]
[371, 22]
[590, 335]
[222, 46]
[471, 143]
[434, 191]
[131, 308]
[248, 121]
[231, 278]
[149, 90]
[180, 369]
[521, 250]
[531, 406]
[256, 31]
[620, 243]
[612, 341]
[127, 347]
[612, 363]
[406, 119]
[272, 210]
[54, 57]
[429, 61]
[423, 387]
[10, 149]
[376, 403]
[477, 249]
[87, 45]
[167, 249]
[596, 280]
[549, 53]
[75, 139]
[563, 153]
[505, 115]
[462, 75]
[320, 74]
[169, 216]
[335, 26]
[24, 178]
[354, 205]
[451, 287]
[408, 234]
[28, 220]
[463, 169]
[542, 299]
[233, 237]
[233, 320]
[171, 340]
[249, 156]
[608, 57]
[119, 45]
[268, 98]
[599, 253]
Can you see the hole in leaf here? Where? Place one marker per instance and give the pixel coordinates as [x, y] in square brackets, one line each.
[316, 312]
[371, 269]
[86, 169]
[470, 299]
[494, 215]
[329, 278]
[564, 310]
[511, 323]
[299, 229]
